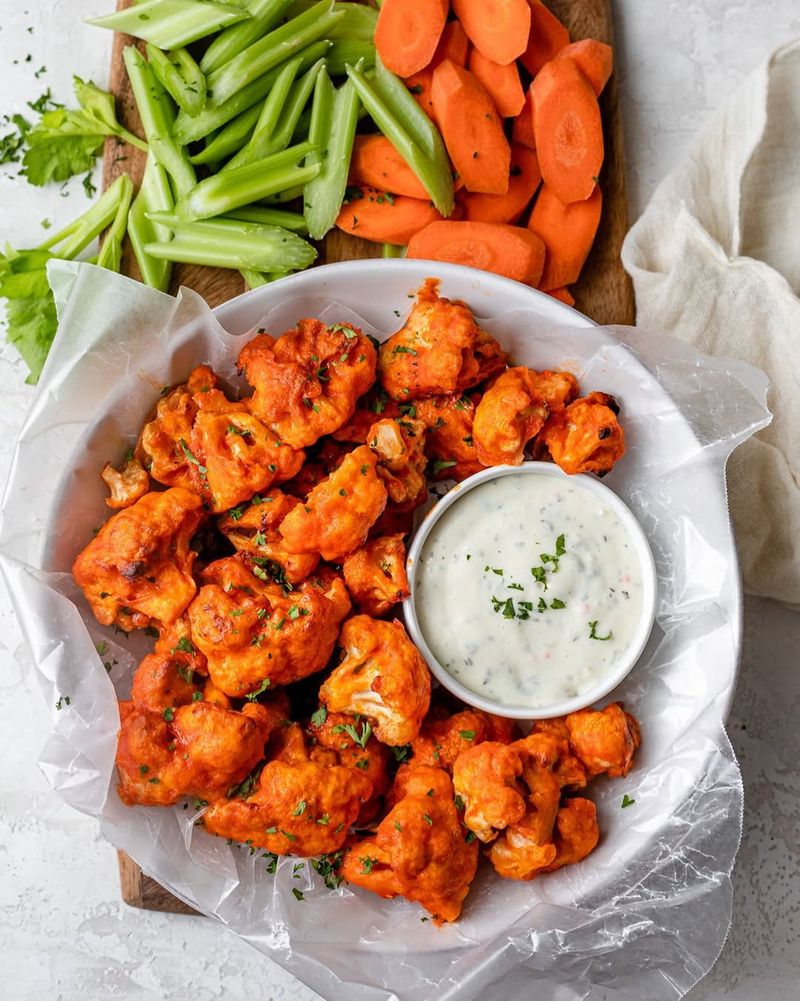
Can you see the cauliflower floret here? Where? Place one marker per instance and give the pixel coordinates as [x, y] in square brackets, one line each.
[375, 574]
[604, 741]
[510, 413]
[486, 778]
[449, 444]
[576, 833]
[443, 737]
[400, 447]
[382, 677]
[125, 485]
[585, 437]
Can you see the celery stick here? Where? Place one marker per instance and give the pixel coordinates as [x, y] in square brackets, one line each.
[258, 146]
[390, 250]
[358, 23]
[170, 24]
[347, 52]
[323, 196]
[293, 108]
[230, 138]
[251, 213]
[255, 278]
[272, 49]
[287, 195]
[264, 15]
[222, 193]
[180, 76]
[110, 255]
[219, 113]
[399, 100]
[249, 246]
[155, 195]
[80, 233]
[155, 112]
[433, 173]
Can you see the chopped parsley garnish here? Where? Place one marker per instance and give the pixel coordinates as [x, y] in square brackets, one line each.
[367, 863]
[439, 464]
[232, 429]
[168, 714]
[540, 576]
[185, 673]
[298, 894]
[185, 645]
[401, 349]
[236, 513]
[467, 734]
[593, 632]
[144, 769]
[350, 729]
[402, 754]
[203, 470]
[300, 808]
[428, 819]
[627, 801]
[515, 587]
[261, 688]
[319, 717]
[328, 867]
[558, 603]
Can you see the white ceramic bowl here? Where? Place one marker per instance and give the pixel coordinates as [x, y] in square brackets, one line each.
[616, 672]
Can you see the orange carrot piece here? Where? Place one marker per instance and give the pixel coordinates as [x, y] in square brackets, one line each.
[501, 82]
[563, 294]
[594, 59]
[385, 218]
[471, 129]
[376, 163]
[524, 179]
[547, 37]
[567, 129]
[453, 45]
[499, 28]
[408, 32]
[523, 123]
[420, 86]
[568, 232]
[505, 250]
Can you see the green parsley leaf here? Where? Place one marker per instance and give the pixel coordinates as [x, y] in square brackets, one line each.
[298, 894]
[367, 863]
[261, 688]
[168, 714]
[627, 801]
[439, 464]
[300, 808]
[319, 717]
[467, 734]
[401, 349]
[558, 603]
[593, 632]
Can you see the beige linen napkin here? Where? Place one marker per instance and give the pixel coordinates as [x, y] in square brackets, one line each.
[715, 260]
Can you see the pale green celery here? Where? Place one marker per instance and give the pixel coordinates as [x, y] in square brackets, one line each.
[258, 146]
[272, 50]
[222, 193]
[80, 232]
[392, 250]
[434, 173]
[180, 76]
[358, 23]
[282, 197]
[347, 52]
[248, 245]
[171, 24]
[255, 278]
[155, 195]
[219, 113]
[156, 115]
[290, 115]
[323, 196]
[302, 129]
[110, 255]
[264, 15]
[229, 139]
[399, 100]
[251, 213]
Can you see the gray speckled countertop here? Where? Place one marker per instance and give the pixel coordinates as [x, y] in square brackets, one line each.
[64, 934]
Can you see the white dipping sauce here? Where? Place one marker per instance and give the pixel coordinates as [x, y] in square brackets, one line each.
[496, 630]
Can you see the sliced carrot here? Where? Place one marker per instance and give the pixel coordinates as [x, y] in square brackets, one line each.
[568, 130]
[568, 232]
[501, 82]
[420, 86]
[385, 218]
[499, 28]
[408, 32]
[563, 294]
[594, 59]
[547, 37]
[376, 163]
[471, 128]
[453, 45]
[524, 179]
[505, 250]
[523, 123]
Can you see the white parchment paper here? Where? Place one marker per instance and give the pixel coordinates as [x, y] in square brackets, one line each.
[646, 915]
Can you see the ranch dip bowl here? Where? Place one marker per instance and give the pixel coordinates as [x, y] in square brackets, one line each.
[532, 592]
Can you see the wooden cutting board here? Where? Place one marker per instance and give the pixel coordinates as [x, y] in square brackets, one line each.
[603, 293]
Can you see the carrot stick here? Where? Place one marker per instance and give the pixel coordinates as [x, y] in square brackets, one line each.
[568, 232]
[499, 28]
[567, 129]
[385, 218]
[547, 37]
[420, 86]
[505, 250]
[471, 129]
[524, 179]
[408, 32]
[376, 163]
[523, 123]
[501, 82]
[594, 59]
[563, 294]
[453, 45]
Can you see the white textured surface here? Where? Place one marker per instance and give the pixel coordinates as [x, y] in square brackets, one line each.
[63, 932]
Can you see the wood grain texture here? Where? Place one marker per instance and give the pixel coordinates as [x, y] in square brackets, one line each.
[604, 291]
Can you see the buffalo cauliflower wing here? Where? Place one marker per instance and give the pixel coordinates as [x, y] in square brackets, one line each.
[510, 413]
[576, 832]
[125, 485]
[604, 741]
[487, 778]
[585, 437]
[307, 381]
[254, 529]
[400, 447]
[449, 444]
[382, 677]
[420, 850]
[299, 808]
[375, 575]
[443, 737]
[373, 406]
[138, 568]
[256, 633]
[339, 512]
[439, 349]
[199, 749]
